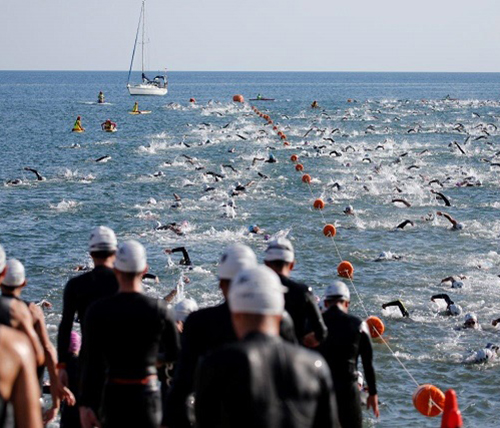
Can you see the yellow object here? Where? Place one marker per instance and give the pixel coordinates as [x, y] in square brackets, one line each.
[136, 108]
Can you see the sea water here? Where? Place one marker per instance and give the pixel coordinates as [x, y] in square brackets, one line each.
[401, 127]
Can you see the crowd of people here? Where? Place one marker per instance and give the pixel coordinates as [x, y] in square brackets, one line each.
[264, 357]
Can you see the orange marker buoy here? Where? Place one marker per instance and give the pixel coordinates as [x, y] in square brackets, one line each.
[294, 158]
[280, 133]
[428, 400]
[319, 204]
[452, 418]
[306, 178]
[376, 326]
[270, 121]
[283, 136]
[286, 143]
[192, 100]
[275, 128]
[238, 98]
[329, 230]
[345, 269]
[299, 167]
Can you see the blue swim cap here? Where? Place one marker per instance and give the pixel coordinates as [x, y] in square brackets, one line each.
[252, 227]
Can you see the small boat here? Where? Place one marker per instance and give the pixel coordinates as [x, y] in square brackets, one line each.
[110, 130]
[261, 99]
[159, 84]
[140, 112]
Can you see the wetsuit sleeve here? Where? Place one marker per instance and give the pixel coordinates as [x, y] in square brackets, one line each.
[208, 395]
[400, 305]
[445, 297]
[366, 352]
[176, 410]
[326, 411]
[93, 364]
[314, 318]
[68, 315]
[185, 256]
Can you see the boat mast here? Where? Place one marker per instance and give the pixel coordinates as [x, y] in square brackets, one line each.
[135, 43]
[143, 31]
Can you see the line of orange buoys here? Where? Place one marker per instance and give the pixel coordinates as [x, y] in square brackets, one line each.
[427, 399]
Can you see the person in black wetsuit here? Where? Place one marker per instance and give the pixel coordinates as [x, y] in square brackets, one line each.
[451, 307]
[185, 261]
[262, 381]
[348, 338]
[208, 329]
[18, 381]
[80, 292]
[12, 287]
[299, 299]
[122, 338]
[204, 330]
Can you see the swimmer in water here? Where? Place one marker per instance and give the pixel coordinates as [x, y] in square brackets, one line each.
[349, 210]
[404, 224]
[451, 308]
[387, 256]
[185, 260]
[314, 104]
[455, 225]
[400, 305]
[100, 98]
[454, 283]
[255, 229]
[489, 353]
[471, 322]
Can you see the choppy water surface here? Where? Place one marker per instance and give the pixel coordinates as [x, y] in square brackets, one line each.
[400, 129]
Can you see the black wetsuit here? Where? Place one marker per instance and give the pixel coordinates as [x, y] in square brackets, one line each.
[185, 261]
[348, 338]
[264, 382]
[79, 294]
[5, 311]
[70, 416]
[122, 338]
[204, 330]
[301, 305]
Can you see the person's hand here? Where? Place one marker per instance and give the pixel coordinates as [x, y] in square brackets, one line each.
[50, 414]
[88, 419]
[432, 299]
[384, 306]
[168, 251]
[494, 323]
[309, 340]
[66, 395]
[372, 402]
[45, 304]
[439, 213]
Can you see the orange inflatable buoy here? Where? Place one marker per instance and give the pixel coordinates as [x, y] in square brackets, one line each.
[345, 269]
[283, 136]
[376, 326]
[294, 158]
[306, 178]
[192, 100]
[428, 400]
[286, 143]
[452, 418]
[299, 167]
[329, 230]
[275, 128]
[319, 204]
[238, 98]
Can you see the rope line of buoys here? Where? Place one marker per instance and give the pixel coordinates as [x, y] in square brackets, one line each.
[427, 399]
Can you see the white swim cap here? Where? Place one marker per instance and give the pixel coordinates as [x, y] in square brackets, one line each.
[184, 308]
[235, 258]
[482, 356]
[131, 257]
[349, 209]
[2, 259]
[455, 309]
[15, 275]
[102, 238]
[257, 290]
[280, 249]
[457, 284]
[470, 317]
[337, 290]
[458, 226]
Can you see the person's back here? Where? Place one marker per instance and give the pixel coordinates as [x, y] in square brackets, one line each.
[259, 380]
[127, 330]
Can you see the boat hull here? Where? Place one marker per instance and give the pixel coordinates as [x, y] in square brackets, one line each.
[146, 90]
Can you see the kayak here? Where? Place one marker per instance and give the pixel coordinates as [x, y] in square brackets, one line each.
[110, 130]
[261, 99]
[140, 112]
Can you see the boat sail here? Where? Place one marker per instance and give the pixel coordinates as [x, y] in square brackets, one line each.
[156, 86]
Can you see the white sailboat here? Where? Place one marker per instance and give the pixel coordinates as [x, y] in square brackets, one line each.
[156, 86]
